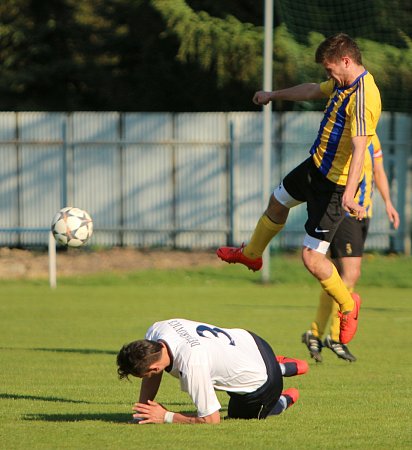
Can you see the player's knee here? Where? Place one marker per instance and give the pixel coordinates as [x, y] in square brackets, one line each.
[314, 263]
[276, 212]
[352, 276]
[309, 259]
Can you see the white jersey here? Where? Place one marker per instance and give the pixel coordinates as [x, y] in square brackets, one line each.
[206, 357]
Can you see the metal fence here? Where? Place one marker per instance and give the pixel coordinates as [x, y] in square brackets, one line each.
[187, 180]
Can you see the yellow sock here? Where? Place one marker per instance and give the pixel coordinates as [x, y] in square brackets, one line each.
[335, 322]
[264, 232]
[325, 307]
[336, 288]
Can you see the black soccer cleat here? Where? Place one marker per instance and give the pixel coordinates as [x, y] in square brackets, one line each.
[314, 345]
[341, 350]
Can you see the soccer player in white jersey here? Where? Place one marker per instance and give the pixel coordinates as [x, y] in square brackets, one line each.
[206, 358]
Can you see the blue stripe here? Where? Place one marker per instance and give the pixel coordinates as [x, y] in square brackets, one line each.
[334, 138]
[363, 184]
[325, 120]
[371, 149]
[362, 190]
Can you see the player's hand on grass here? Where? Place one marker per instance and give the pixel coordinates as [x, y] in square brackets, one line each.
[150, 412]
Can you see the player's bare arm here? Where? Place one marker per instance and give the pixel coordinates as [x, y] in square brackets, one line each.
[149, 387]
[355, 172]
[305, 91]
[381, 181]
[153, 412]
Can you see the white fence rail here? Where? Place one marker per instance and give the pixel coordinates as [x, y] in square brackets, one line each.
[187, 180]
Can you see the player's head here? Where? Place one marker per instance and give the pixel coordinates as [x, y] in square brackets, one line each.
[335, 47]
[137, 357]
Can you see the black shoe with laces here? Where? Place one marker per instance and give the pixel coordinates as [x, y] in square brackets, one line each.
[341, 350]
[314, 345]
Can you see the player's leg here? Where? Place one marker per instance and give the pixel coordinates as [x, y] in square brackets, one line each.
[323, 313]
[313, 337]
[321, 268]
[332, 283]
[287, 195]
[350, 268]
[288, 398]
[266, 229]
[340, 248]
[346, 251]
[325, 214]
[269, 225]
[258, 404]
[291, 367]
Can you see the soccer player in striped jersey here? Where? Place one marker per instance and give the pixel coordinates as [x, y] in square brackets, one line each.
[329, 179]
[346, 251]
[206, 358]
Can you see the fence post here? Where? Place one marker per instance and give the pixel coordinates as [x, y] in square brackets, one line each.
[52, 261]
[231, 205]
[267, 124]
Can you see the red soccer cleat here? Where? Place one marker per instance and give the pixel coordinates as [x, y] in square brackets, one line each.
[293, 366]
[349, 321]
[291, 396]
[233, 255]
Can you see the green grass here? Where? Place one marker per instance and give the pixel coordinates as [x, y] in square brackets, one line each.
[58, 374]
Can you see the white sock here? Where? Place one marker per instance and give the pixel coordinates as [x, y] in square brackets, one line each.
[280, 406]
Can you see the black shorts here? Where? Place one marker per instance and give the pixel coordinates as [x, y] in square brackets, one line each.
[349, 239]
[258, 404]
[323, 199]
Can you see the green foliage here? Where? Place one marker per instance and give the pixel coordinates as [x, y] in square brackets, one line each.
[232, 48]
[59, 383]
[185, 55]
[392, 69]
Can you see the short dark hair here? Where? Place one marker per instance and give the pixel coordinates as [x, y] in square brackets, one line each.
[136, 358]
[337, 46]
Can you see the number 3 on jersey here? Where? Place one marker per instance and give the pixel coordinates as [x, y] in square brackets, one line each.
[215, 331]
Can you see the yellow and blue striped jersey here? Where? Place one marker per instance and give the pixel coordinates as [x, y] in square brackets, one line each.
[351, 111]
[365, 192]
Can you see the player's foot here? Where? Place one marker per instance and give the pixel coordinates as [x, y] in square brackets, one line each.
[349, 321]
[288, 398]
[314, 345]
[235, 255]
[339, 349]
[293, 366]
[291, 396]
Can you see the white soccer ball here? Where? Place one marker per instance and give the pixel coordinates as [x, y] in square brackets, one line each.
[72, 226]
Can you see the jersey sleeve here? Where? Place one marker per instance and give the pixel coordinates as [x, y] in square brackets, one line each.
[327, 87]
[196, 381]
[151, 333]
[377, 150]
[366, 110]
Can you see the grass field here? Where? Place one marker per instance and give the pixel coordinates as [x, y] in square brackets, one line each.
[59, 387]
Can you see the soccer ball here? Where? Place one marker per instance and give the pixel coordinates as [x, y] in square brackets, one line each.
[72, 226]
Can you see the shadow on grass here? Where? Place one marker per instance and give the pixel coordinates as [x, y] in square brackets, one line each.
[82, 351]
[105, 417]
[40, 398]
[275, 305]
[82, 417]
